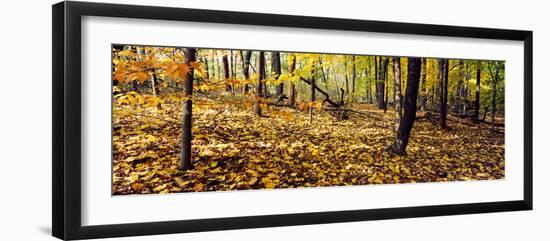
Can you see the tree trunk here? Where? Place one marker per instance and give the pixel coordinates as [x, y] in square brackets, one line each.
[423, 75]
[494, 97]
[218, 73]
[397, 90]
[234, 64]
[478, 87]
[382, 64]
[313, 86]
[409, 115]
[276, 69]
[459, 88]
[367, 84]
[261, 79]
[353, 76]
[292, 87]
[154, 83]
[207, 68]
[185, 163]
[226, 73]
[246, 64]
[386, 92]
[465, 89]
[443, 82]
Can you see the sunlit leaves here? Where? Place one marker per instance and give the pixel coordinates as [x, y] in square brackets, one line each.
[234, 151]
[177, 71]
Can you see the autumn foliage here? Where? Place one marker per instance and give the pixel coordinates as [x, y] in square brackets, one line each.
[334, 134]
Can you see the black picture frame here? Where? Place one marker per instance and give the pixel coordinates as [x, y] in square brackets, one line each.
[66, 129]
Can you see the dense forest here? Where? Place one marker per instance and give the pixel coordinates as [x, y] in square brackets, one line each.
[188, 119]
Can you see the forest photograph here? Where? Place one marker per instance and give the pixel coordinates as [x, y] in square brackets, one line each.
[187, 119]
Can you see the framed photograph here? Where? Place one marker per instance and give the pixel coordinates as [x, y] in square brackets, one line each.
[170, 120]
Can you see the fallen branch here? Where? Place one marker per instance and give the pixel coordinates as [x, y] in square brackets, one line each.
[327, 98]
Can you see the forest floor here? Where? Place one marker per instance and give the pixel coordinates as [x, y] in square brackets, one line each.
[234, 150]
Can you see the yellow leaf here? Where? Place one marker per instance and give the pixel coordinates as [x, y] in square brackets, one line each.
[180, 182]
[198, 187]
[160, 188]
[213, 164]
[252, 181]
[137, 186]
[126, 52]
[268, 183]
[134, 177]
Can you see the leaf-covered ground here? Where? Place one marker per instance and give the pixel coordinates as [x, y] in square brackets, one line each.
[234, 150]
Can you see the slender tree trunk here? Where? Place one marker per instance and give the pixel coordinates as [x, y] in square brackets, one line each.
[434, 95]
[207, 68]
[397, 90]
[380, 82]
[185, 163]
[261, 80]
[218, 69]
[443, 82]
[367, 85]
[154, 77]
[459, 88]
[423, 75]
[234, 64]
[313, 86]
[478, 87]
[379, 101]
[386, 92]
[246, 65]
[494, 98]
[465, 89]
[226, 73]
[276, 70]
[347, 81]
[353, 75]
[409, 115]
[292, 87]
[154, 83]
[367, 82]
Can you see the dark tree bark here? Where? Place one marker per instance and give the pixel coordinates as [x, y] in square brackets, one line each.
[397, 90]
[276, 69]
[380, 82]
[292, 87]
[346, 77]
[443, 78]
[261, 80]
[386, 92]
[226, 73]
[246, 64]
[313, 86]
[323, 75]
[495, 80]
[376, 74]
[324, 93]
[478, 87]
[185, 163]
[409, 115]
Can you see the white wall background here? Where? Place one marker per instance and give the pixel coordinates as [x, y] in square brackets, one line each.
[25, 122]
